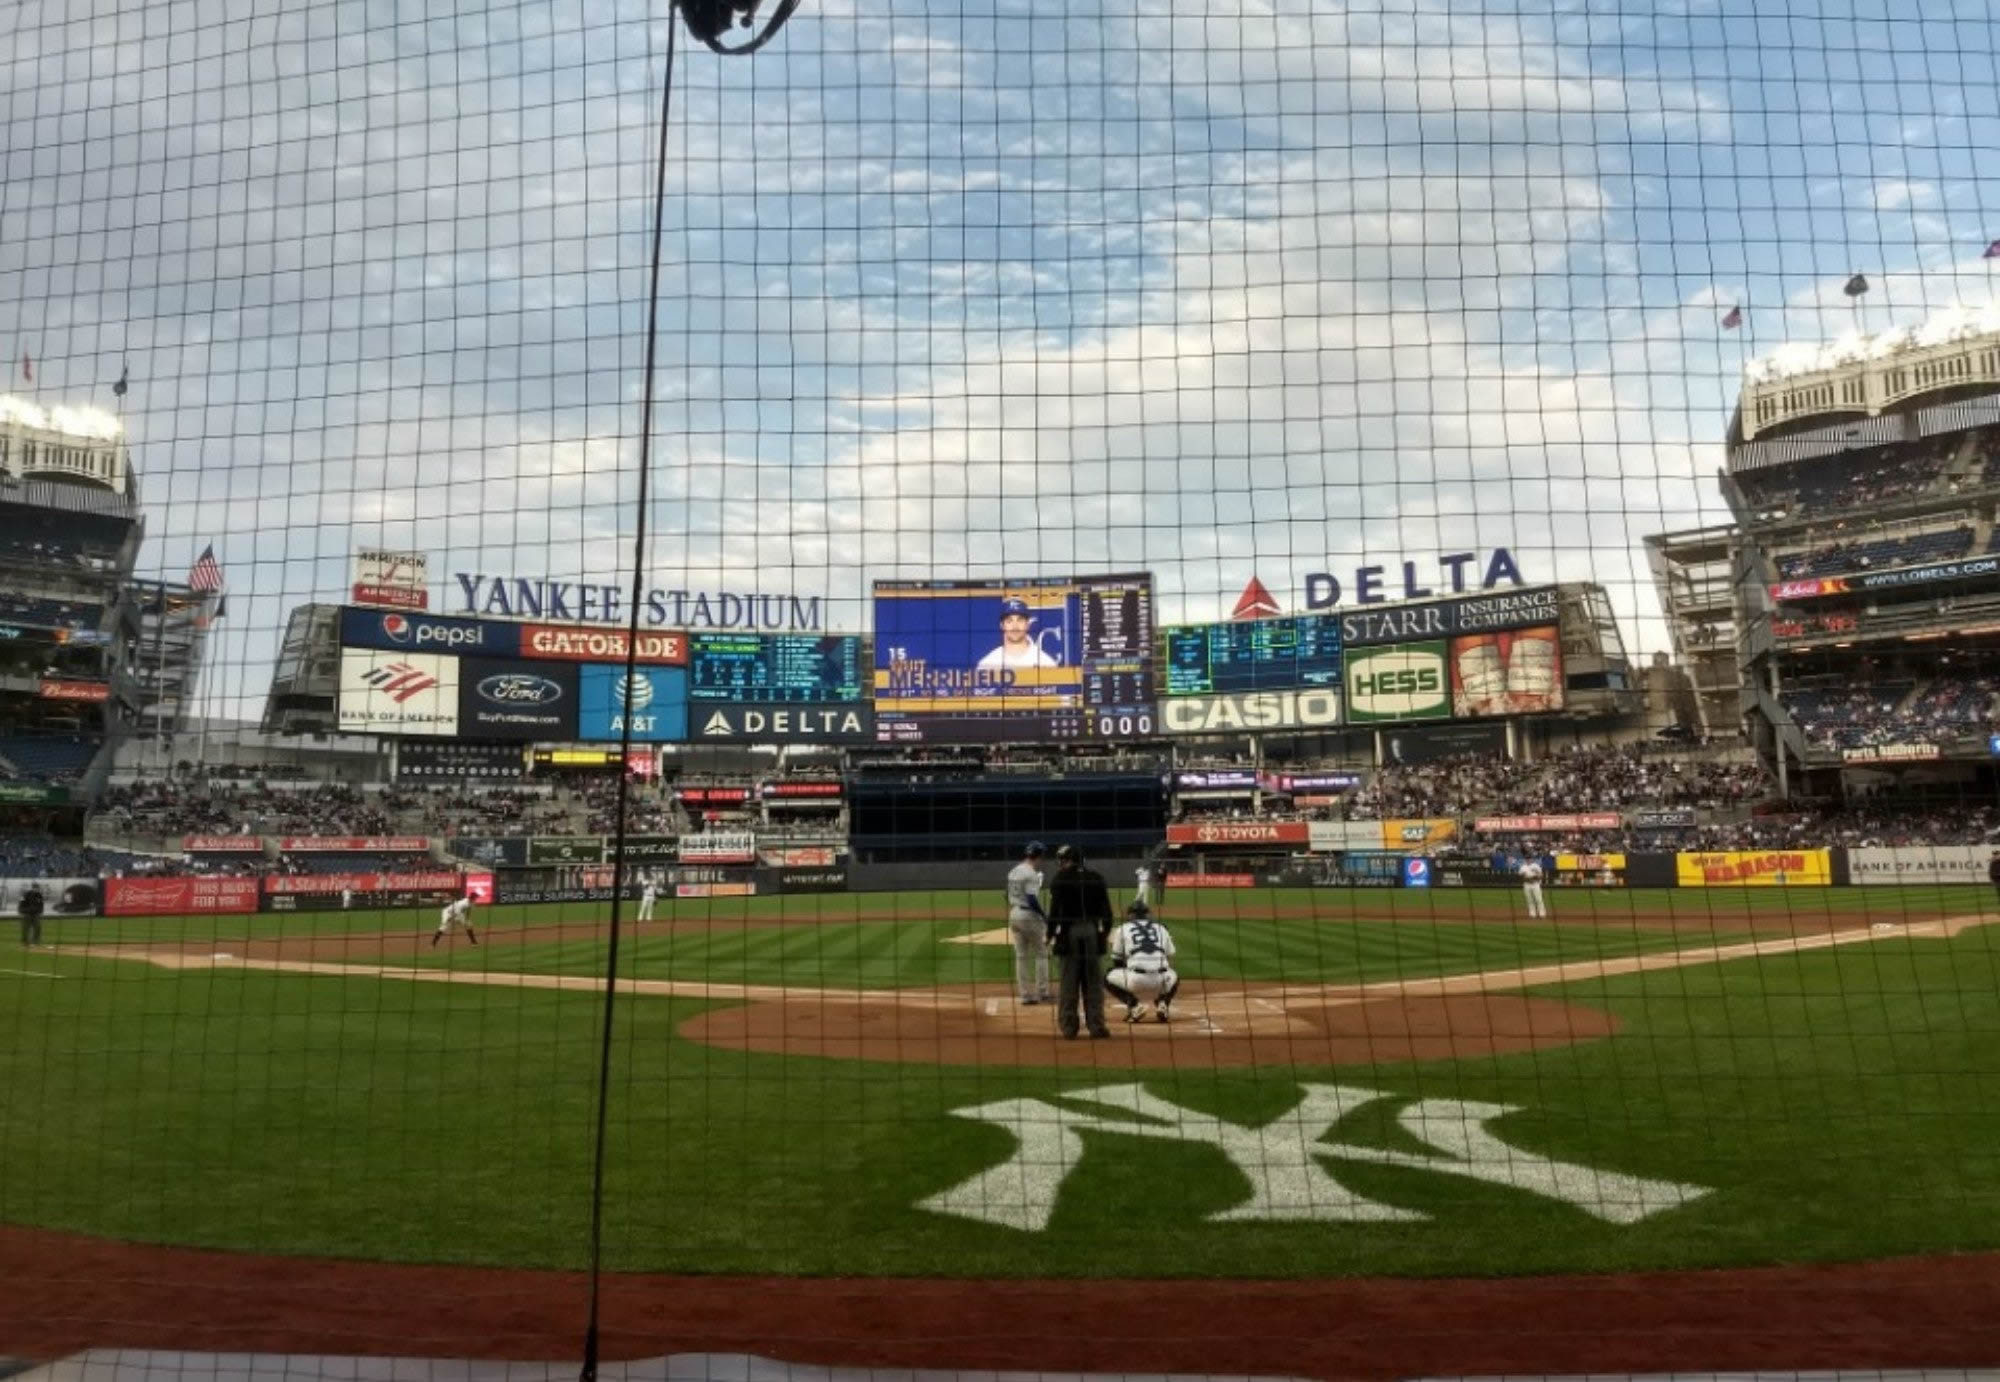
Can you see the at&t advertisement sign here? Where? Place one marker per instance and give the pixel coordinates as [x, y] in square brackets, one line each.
[651, 700]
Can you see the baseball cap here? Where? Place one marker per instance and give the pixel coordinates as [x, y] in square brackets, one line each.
[1070, 852]
[1035, 847]
[1013, 605]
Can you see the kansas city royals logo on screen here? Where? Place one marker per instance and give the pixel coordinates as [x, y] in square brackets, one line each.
[649, 701]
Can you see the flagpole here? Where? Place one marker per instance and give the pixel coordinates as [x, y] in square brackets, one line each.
[207, 632]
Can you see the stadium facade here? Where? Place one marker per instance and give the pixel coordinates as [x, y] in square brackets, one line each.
[1864, 569]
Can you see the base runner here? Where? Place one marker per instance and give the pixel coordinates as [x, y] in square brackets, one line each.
[1142, 968]
[458, 913]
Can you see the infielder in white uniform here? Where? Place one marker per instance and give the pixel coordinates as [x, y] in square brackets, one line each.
[1531, 888]
[1142, 968]
[1028, 925]
[458, 913]
[648, 895]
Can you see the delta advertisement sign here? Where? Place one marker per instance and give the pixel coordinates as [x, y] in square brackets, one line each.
[1457, 572]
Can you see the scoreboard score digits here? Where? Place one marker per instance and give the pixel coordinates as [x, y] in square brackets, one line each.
[1295, 652]
[775, 668]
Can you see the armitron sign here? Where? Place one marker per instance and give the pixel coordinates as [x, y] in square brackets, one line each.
[1316, 708]
[1239, 833]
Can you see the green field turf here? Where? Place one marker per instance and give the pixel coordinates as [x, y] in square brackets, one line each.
[1834, 1105]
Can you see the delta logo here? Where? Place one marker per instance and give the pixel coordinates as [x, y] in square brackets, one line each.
[399, 681]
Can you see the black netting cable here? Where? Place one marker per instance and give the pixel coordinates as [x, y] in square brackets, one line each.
[590, 1338]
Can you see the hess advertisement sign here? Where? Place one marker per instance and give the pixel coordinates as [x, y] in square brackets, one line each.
[1405, 682]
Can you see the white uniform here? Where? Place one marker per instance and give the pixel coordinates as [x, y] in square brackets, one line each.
[1142, 968]
[455, 914]
[1028, 926]
[1145, 885]
[647, 897]
[1531, 889]
[1007, 655]
[346, 898]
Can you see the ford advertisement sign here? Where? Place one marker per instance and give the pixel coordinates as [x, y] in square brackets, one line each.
[407, 632]
[516, 700]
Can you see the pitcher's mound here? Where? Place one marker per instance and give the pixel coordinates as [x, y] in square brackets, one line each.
[1216, 1026]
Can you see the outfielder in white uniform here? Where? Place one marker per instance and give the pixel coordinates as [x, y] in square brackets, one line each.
[648, 895]
[1028, 926]
[458, 913]
[346, 898]
[1531, 888]
[1142, 968]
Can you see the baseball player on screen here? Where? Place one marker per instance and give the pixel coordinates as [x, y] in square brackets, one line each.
[1017, 647]
[455, 914]
[1028, 926]
[1142, 968]
[1531, 887]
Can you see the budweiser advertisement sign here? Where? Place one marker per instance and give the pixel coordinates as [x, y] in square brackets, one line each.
[1536, 825]
[341, 844]
[1238, 833]
[75, 691]
[281, 886]
[159, 897]
[719, 848]
[222, 844]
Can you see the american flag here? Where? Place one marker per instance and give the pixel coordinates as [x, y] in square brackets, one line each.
[207, 573]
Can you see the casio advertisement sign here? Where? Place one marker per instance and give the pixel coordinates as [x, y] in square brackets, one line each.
[402, 632]
[1313, 708]
[783, 724]
[516, 700]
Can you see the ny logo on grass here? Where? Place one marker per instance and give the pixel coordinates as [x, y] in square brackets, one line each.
[1284, 1161]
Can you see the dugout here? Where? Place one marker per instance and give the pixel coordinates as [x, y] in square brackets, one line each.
[910, 821]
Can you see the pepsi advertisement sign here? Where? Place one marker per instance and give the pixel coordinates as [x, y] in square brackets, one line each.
[1416, 873]
[402, 632]
[516, 700]
[652, 701]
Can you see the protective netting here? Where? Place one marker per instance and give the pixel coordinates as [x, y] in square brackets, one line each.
[1347, 644]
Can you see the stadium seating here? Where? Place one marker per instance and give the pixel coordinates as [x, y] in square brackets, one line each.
[61, 614]
[1883, 553]
[355, 862]
[1880, 475]
[1845, 717]
[52, 761]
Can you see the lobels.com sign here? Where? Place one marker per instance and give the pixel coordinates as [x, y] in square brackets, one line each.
[1324, 590]
[584, 602]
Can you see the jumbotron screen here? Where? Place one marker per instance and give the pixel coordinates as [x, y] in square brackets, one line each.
[775, 668]
[1289, 653]
[1014, 660]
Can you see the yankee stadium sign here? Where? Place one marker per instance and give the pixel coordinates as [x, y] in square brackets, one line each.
[584, 602]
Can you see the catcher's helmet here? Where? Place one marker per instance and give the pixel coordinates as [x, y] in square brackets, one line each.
[1070, 853]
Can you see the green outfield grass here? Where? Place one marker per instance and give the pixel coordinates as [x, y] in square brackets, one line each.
[1835, 1104]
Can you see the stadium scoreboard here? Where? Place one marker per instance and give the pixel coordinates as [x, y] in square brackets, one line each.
[1290, 653]
[775, 669]
[998, 661]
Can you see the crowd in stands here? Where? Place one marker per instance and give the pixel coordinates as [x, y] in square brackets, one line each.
[1593, 779]
[1859, 554]
[49, 760]
[1863, 479]
[1888, 825]
[1847, 717]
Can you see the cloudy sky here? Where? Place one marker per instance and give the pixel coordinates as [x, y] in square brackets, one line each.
[1205, 289]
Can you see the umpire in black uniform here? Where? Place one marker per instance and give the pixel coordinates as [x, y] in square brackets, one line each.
[1079, 924]
[30, 909]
